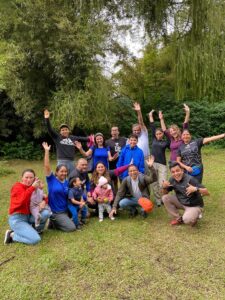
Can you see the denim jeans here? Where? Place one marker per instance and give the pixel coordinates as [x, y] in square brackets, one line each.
[129, 203]
[74, 209]
[22, 226]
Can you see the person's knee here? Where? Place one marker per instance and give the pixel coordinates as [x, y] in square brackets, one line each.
[189, 220]
[122, 204]
[45, 214]
[165, 199]
[34, 240]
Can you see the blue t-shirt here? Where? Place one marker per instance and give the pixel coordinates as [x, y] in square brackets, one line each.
[100, 155]
[57, 194]
[75, 193]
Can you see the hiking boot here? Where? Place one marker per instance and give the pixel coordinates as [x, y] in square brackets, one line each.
[8, 239]
[177, 221]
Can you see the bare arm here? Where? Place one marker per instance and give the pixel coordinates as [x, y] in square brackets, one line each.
[150, 115]
[162, 122]
[47, 167]
[187, 168]
[213, 138]
[79, 147]
[137, 108]
[187, 113]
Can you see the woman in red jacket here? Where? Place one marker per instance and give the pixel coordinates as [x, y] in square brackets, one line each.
[20, 219]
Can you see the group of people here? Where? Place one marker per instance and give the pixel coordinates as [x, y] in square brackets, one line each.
[116, 173]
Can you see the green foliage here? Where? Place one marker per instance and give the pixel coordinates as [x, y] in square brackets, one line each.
[21, 149]
[4, 170]
[55, 49]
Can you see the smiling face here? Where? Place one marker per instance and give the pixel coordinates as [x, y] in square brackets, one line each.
[82, 165]
[159, 135]
[133, 142]
[136, 130]
[175, 131]
[100, 169]
[64, 131]
[133, 172]
[99, 140]
[186, 137]
[28, 178]
[177, 173]
[115, 132]
[61, 173]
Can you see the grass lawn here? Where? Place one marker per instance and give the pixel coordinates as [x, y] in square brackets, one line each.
[124, 259]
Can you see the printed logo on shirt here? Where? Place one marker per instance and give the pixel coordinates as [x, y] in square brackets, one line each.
[117, 147]
[67, 142]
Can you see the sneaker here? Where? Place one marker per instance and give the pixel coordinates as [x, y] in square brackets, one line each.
[8, 239]
[133, 212]
[177, 221]
[200, 216]
[112, 218]
[100, 220]
[82, 222]
[143, 214]
[78, 227]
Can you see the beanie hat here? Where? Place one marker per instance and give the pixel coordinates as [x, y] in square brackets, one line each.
[102, 180]
[146, 204]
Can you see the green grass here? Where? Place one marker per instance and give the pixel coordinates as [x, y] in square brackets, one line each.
[124, 259]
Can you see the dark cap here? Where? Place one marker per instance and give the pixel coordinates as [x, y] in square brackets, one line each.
[63, 126]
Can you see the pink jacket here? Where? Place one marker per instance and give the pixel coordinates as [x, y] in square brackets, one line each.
[99, 192]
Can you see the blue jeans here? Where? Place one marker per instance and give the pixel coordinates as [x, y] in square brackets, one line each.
[74, 209]
[129, 203]
[68, 163]
[22, 226]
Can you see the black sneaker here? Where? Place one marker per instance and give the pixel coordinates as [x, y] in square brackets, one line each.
[8, 239]
[143, 214]
[82, 222]
[133, 212]
[78, 227]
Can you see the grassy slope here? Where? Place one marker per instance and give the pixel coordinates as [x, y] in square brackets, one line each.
[124, 259]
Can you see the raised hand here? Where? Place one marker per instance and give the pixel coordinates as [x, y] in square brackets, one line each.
[150, 161]
[136, 106]
[186, 108]
[160, 115]
[46, 114]
[78, 145]
[151, 112]
[46, 146]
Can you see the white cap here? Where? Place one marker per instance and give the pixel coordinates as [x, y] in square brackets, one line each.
[102, 180]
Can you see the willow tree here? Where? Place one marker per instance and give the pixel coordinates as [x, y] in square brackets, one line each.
[54, 60]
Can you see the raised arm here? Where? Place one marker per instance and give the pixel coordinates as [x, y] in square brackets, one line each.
[47, 167]
[51, 131]
[187, 168]
[162, 122]
[213, 138]
[187, 113]
[84, 153]
[137, 108]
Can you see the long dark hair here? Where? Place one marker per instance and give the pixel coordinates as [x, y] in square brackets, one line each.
[99, 134]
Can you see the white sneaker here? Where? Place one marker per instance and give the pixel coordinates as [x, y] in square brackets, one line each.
[112, 218]
[100, 220]
[200, 216]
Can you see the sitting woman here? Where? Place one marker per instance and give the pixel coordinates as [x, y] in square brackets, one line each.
[189, 153]
[99, 171]
[20, 218]
[159, 145]
[174, 132]
[58, 187]
[99, 151]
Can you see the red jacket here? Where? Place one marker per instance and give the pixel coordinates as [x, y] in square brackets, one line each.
[20, 199]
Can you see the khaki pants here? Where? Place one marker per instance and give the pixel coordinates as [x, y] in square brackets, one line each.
[161, 171]
[172, 205]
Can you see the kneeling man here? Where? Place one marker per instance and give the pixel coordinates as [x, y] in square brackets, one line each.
[188, 196]
[133, 187]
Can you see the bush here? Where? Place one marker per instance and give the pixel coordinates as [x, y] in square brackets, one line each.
[21, 149]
